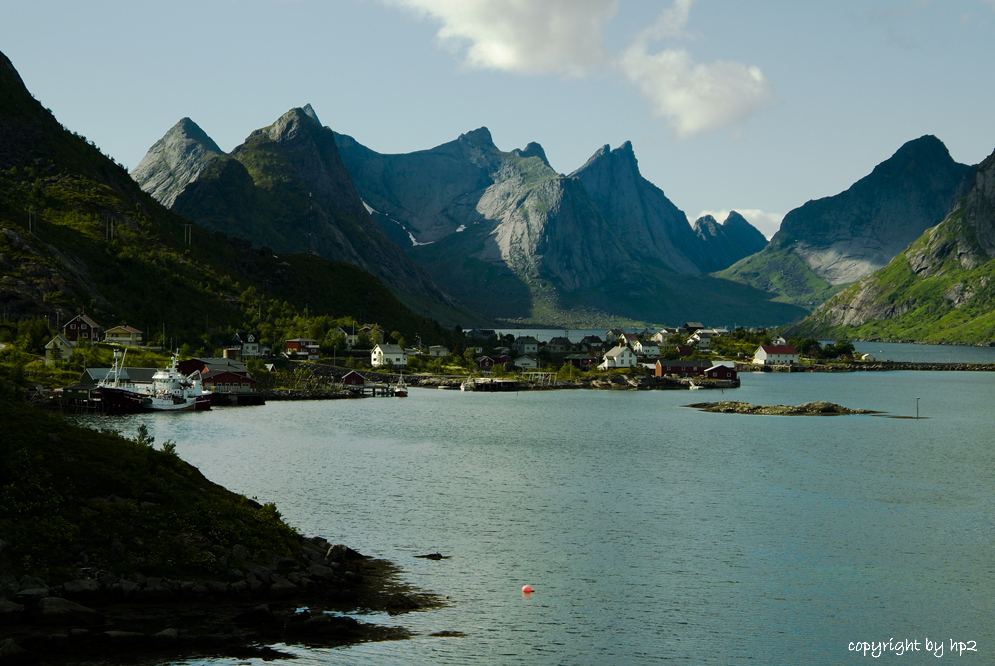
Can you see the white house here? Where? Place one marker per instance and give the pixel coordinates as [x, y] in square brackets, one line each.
[618, 357]
[526, 363]
[438, 351]
[387, 354]
[526, 344]
[775, 355]
[661, 336]
[646, 348]
[701, 339]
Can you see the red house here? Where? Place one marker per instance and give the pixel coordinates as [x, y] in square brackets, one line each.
[720, 372]
[303, 348]
[485, 362]
[225, 381]
[353, 378]
[681, 368]
[82, 328]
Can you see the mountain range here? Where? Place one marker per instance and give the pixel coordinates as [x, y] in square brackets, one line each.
[77, 234]
[941, 288]
[502, 232]
[287, 189]
[489, 223]
[836, 240]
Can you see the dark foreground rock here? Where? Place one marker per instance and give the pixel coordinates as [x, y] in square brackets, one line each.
[265, 600]
[818, 408]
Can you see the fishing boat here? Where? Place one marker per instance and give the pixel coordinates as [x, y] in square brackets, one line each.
[170, 391]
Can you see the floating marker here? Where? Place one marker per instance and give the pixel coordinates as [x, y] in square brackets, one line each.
[527, 589]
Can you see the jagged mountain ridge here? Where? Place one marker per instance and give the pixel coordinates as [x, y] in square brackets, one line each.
[286, 187]
[940, 289]
[649, 224]
[836, 240]
[77, 234]
[741, 239]
[476, 216]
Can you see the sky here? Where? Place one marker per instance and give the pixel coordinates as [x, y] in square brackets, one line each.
[750, 106]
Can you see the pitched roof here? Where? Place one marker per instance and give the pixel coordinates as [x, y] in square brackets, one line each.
[123, 327]
[779, 349]
[389, 348]
[85, 319]
[616, 351]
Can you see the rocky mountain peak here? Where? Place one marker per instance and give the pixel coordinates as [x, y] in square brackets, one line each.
[623, 157]
[292, 123]
[734, 219]
[190, 132]
[706, 225]
[309, 111]
[479, 137]
[175, 161]
[532, 150]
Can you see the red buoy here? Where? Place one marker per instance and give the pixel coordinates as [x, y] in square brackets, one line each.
[527, 589]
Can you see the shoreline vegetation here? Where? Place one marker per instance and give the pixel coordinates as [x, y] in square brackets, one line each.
[112, 548]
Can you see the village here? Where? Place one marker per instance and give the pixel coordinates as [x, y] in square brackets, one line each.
[247, 372]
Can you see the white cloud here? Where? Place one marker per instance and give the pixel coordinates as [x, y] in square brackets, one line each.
[766, 223]
[525, 36]
[566, 37]
[692, 97]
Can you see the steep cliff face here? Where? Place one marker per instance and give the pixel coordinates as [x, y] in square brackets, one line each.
[175, 161]
[941, 288]
[646, 221]
[844, 237]
[725, 244]
[479, 218]
[285, 187]
[841, 238]
[424, 196]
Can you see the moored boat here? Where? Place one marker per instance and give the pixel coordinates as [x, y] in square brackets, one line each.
[170, 391]
[400, 388]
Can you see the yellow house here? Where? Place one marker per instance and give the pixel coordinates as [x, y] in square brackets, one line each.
[58, 349]
[123, 335]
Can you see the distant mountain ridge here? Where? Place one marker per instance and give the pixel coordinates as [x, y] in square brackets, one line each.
[479, 218]
[287, 188]
[836, 240]
[940, 289]
[77, 234]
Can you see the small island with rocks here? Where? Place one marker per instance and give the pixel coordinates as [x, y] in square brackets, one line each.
[817, 408]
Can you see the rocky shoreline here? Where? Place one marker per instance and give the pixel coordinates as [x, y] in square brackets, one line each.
[818, 408]
[110, 615]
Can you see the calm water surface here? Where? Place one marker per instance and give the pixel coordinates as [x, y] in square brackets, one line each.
[652, 533]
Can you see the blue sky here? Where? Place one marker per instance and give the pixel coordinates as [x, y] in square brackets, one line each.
[753, 106]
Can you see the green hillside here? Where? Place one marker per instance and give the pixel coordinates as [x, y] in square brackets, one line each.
[783, 274]
[952, 301]
[77, 234]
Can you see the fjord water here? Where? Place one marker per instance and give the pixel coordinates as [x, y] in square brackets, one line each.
[651, 532]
